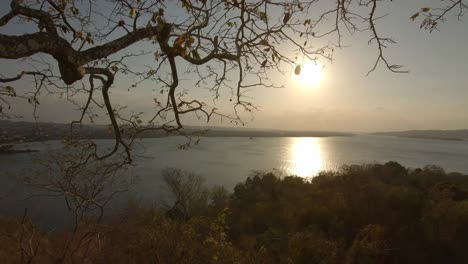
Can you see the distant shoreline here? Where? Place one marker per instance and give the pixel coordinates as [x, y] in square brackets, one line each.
[17, 132]
[422, 137]
[449, 135]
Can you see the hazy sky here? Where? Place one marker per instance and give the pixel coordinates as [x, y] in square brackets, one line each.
[434, 95]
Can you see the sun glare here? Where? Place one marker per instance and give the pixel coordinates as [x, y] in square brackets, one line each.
[305, 157]
[311, 74]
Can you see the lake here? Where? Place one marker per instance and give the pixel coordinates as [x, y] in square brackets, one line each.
[227, 161]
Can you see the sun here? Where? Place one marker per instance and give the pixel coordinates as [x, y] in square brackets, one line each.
[311, 74]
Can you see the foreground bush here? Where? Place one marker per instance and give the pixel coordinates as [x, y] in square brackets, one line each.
[359, 214]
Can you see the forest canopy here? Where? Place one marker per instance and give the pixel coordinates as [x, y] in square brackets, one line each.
[359, 214]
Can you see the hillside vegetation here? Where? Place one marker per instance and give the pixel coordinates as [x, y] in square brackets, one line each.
[359, 214]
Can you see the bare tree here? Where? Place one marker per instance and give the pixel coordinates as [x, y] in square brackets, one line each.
[78, 48]
[86, 190]
[188, 193]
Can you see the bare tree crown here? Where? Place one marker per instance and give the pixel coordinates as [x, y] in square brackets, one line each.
[230, 44]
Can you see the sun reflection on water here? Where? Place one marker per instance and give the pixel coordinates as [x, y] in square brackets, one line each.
[305, 157]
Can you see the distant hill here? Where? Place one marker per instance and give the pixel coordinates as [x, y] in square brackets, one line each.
[12, 131]
[458, 135]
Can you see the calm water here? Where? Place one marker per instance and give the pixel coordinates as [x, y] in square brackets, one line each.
[227, 161]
